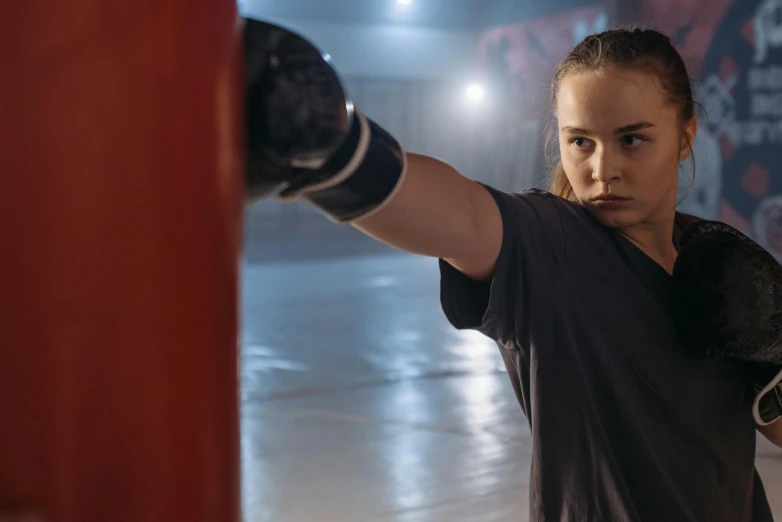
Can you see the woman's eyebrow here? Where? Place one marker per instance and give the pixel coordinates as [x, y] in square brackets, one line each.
[621, 130]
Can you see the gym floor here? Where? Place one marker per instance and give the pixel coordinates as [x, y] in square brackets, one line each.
[361, 403]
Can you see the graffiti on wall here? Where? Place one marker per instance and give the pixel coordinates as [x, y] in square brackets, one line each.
[520, 58]
[742, 93]
[734, 49]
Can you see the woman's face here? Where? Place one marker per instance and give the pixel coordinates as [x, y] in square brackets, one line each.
[621, 143]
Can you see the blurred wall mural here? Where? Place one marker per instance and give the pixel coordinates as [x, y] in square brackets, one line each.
[734, 51]
[518, 61]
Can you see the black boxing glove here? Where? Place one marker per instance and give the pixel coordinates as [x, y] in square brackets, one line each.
[728, 305]
[304, 138]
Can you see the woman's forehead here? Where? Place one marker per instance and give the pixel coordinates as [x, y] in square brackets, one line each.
[613, 97]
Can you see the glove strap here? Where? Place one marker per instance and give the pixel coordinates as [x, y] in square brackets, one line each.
[360, 179]
[767, 407]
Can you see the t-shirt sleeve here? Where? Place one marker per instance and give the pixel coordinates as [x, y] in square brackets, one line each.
[526, 279]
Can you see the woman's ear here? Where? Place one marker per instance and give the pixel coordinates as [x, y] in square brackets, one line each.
[688, 138]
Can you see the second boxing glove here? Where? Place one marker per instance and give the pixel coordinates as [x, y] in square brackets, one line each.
[304, 138]
[728, 305]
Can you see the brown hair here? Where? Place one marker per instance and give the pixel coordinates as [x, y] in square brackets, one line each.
[641, 49]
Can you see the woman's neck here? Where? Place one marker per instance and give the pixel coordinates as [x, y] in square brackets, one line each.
[655, 240]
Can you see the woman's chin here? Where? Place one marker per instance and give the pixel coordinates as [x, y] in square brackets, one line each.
[614, 218]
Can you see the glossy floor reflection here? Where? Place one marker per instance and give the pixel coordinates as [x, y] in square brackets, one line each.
[361, 403]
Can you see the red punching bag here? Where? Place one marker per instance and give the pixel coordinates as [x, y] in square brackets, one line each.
[120, 218]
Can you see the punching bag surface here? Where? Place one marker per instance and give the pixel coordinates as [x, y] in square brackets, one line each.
[120, 208]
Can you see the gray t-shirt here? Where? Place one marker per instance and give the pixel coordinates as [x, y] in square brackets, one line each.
[625, 426]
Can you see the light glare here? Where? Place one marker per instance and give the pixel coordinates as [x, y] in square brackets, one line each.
[475, 92]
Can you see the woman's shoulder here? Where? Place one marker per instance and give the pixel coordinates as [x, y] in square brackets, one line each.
[540, 193]
[540, 217]
[680, 223]
[683, 220]
[544, 197]
[566, 211]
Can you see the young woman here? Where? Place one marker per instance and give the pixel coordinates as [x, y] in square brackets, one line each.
[574, 285]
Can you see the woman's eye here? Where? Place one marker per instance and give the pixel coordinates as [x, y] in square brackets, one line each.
[579, 143]
[632, 140]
